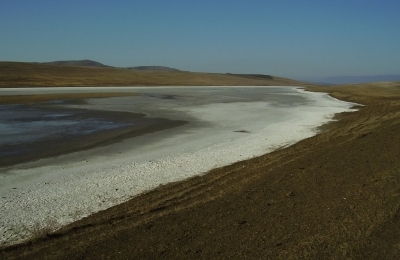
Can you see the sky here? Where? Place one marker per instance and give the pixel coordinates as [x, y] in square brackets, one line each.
[291, 38]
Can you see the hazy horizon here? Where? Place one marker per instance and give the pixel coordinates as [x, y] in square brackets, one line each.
[307, 39]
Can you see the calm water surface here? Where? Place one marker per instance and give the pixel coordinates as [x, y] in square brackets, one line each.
[28, 123]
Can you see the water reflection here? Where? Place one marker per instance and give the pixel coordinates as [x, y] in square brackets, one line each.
[24, 124]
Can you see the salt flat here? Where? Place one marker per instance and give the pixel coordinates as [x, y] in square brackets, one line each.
[226, 124]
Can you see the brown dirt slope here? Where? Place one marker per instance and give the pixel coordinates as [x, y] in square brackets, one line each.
[332, 196]
[19, 74]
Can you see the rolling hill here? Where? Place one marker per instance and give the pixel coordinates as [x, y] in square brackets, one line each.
[24, 74]
[153, 68]
[84, 63]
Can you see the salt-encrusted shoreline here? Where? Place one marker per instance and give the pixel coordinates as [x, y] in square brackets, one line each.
[58, 194]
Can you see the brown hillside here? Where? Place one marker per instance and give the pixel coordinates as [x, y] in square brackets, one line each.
[18, 74]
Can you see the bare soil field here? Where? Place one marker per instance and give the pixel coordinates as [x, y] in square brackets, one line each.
[332, 196]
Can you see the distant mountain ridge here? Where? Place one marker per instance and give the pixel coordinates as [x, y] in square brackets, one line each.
[85, 63]
[252, 76]
[153, 68]
[360, 79]
[91, 63]
[34, 74]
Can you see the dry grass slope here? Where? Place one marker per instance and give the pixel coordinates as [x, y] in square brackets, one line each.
[17, 74]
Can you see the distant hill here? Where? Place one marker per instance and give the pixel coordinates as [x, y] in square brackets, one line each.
[24, 74]
[252, 76]
[360, 79]
[91, 63]
[85, 63]
[153, 68]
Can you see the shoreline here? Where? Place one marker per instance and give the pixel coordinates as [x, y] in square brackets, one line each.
[111, 183]
[133, 125]
[334, 195]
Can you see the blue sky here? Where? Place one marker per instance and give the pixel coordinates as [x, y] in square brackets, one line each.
[298, 39]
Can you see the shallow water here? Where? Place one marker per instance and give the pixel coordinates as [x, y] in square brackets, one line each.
[169, 102]
[28, 123]
[24, 127]
[33, 122]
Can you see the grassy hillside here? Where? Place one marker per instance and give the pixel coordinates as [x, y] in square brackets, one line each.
[20, 74]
